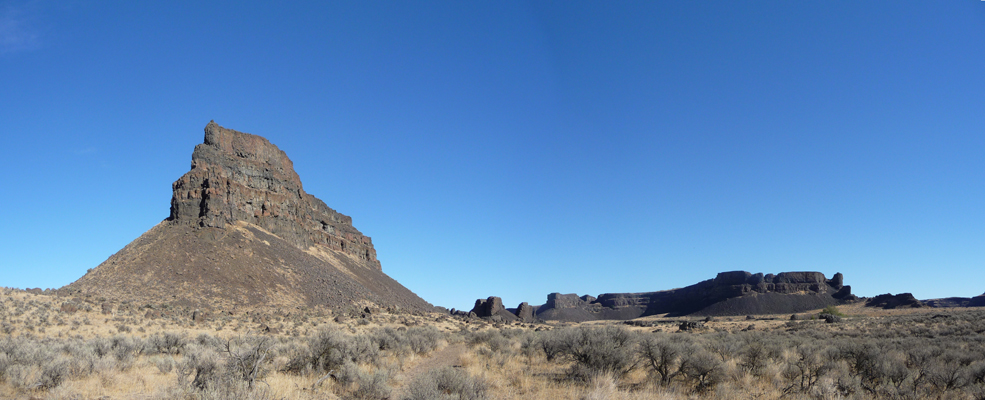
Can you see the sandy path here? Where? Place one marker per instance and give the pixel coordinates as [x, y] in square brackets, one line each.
[446, 357]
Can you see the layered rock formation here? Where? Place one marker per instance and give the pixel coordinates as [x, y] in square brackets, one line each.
[492, 308]
[730, 293]
[890, 301]
[949, 302]
[525, 312]
[243, 232]
[236, 176]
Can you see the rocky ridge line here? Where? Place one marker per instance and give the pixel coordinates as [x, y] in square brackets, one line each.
[730, 293]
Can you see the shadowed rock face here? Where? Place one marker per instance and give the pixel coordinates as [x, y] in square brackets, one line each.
[977, 301]
[492, 308]
[890, 301]
[730, 293]
[243, 232]
[525, 312]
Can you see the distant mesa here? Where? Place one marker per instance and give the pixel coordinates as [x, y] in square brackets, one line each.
[948, 302]
[890, 301]
[730, 293]
[243, 232]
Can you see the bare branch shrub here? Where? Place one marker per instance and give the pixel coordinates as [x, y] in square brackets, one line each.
[808, 366]
[725, 345]
[660, 355]
[202, 365]
[4, 365]
[948, 372]
[447, 383]
[700, 369]
[247, 358]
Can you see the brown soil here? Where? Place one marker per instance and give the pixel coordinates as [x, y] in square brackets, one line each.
[238, 266]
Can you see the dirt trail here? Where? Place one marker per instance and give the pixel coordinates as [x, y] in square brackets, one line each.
[446, 357]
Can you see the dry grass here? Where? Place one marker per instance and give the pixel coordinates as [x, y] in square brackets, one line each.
[492, 361]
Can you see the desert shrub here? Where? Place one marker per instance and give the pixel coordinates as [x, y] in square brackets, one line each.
[329, 349]
[202, 365]
[447, 384]
[167, 343]
[976, 372]
[529, 344]
[755, 358]
[947, 372]
[919, 360]
[27, 352]
[864, 362]
[554, 343]
[4, 365]
[832, 310]
[164, 364]
[700, 369]
[298, 355]
[391, 341]
[423, 339]
[205, 339]
[598, 350]
[726, 346]
[346, 374]
[125, 350]
[352, 382]
[82, 359]
[22, 376]
[660, 355]
[246, 358]
[492, 338]
[53, 374]
[102, 346]
[808, 366]
[372, 386]
[893, 368]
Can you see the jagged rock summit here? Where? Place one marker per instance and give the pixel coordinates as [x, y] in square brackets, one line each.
[243, 232]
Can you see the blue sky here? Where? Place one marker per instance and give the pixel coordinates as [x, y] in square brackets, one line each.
[520, 148]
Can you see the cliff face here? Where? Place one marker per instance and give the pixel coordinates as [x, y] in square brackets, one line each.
[730, 293]
[237, 176]
[243, 232]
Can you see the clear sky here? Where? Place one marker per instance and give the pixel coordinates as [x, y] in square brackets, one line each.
[520, 148]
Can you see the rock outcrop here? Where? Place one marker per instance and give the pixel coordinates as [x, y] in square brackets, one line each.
[890, 301]
[237, 176]
[948, 302]
[243, 232]
[730, 293]
[525, 312]
[492, 308]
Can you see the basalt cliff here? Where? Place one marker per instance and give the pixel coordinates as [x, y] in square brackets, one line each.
[243, 232]
[729, 293]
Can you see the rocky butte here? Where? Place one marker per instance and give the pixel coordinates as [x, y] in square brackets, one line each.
[243, 232]
[729, 293]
